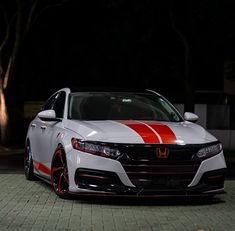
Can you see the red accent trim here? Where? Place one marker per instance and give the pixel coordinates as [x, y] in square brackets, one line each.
[42, 168]
[144, 131]
[167, 135]
[92, 176]
[183, 195]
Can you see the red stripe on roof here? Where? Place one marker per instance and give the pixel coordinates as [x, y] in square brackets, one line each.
[42, 168]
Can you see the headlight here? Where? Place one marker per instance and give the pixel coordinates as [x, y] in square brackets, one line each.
[210, 151]
[95, 149]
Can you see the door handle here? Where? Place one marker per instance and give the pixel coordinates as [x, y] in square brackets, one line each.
[43, 127]
[33, 125]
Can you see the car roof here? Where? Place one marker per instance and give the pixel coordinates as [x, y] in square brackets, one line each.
[112, 89]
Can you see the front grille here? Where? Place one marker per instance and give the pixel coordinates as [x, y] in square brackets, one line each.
[148, 152]
[156, 176]
[147, 171]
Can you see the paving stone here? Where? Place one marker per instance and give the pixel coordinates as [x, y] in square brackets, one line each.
[32, 205]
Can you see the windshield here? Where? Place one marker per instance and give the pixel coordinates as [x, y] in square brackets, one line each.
[121, 106]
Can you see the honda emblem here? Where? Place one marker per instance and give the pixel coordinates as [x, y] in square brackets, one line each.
[162, 153]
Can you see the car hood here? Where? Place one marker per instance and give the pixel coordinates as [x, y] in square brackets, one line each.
[139, 132]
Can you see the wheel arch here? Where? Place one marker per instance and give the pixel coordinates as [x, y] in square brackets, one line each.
[59, 162]
[59, 145]
[28, 142]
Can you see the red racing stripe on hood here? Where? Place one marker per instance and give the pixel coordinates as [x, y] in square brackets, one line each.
[146, 133]
[167, 135]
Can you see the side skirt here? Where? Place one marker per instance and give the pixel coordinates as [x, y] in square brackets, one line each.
[43, 178]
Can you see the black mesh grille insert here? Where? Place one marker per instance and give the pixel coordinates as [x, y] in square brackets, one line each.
[146, 170]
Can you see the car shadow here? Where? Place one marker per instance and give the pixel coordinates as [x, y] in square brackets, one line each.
[136, 201]
[166, 201]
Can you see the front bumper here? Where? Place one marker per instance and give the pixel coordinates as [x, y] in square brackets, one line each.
[94, 175]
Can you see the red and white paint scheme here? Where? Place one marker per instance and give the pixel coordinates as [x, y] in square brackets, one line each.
[121, 143]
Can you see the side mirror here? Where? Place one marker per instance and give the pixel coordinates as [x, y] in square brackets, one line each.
[48, 115]
[189, 116]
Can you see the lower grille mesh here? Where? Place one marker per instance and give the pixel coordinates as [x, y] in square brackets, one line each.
[149, 172]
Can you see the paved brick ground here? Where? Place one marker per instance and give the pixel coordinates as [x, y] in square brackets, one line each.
[28, 205]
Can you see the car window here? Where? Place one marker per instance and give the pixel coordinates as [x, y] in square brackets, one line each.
[121, 106]
[58, 105]
[50, 102]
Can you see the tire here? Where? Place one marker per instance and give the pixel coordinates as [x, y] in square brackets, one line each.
[28, 163]
[59, 173]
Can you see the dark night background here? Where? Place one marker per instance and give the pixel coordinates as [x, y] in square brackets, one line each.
[125, 43]
[174, 47]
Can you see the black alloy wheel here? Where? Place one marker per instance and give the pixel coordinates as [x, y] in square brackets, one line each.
[28, 163]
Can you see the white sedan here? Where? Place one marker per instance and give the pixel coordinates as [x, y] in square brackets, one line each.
[122, 144]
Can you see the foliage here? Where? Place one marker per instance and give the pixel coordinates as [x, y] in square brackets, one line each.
[16, 19]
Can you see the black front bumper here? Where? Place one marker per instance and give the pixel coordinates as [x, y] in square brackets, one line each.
[152, 175]
[108, 183]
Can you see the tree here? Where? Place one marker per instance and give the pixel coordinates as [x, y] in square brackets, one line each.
[199, 29]
[17, 20]
[188, 80]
